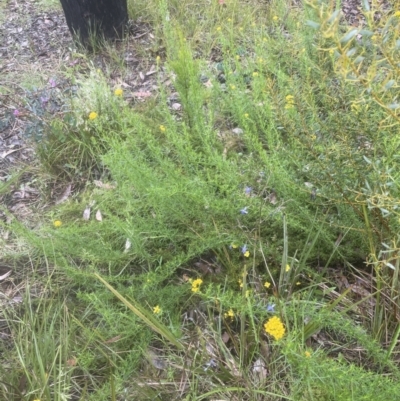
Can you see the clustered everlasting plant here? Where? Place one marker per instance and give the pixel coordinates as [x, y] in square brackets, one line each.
[196, 284]
[275, 328]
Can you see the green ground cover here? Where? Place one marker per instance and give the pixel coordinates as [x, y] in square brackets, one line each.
[206, 263]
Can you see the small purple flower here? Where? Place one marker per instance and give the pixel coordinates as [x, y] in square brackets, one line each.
[52, 82]
[244, 248]
[271, 308]
[244, 210]
[212, 363]
[44, 99]
[16, 113]
[247, 190]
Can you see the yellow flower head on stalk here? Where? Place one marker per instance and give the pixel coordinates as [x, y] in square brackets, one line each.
[240, 283]
[57, 223]
[162, 128]
[275, 327]
[118, 92]
[307, 354]
[230, 314]
[287, 268]
[275, 18]
[267, 284]
[196, 285]
[246, 254]
[156, 310]
[93, 115]
[397, 14]
[289, 102]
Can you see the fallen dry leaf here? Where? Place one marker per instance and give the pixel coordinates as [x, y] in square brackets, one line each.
[5, 154]
[64, 196]
[113, 340]
[156, 361]
[237, 131]
[260, 370]
[86, 213]
[225, 337]
[185, 278]
[128, 245]
[141, 94]
[99, 217]
[72, 362]
[4, 276]
[152, 71]
[104, 185]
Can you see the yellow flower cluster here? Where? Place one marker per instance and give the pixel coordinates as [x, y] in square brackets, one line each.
[275, 328]
[156, 310]
[267, 284]
[93, 115]
[57, 223]
[196, 284]
[397, 14]
[289, 102]
[118, 92]
[229, 314]
[162, 128]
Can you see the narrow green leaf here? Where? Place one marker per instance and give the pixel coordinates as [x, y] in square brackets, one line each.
[351, 52]
[333, 16]
[349, 35]
[358, 59]
[313, 24]
[366, 32]
[140, 312]
[365, 4]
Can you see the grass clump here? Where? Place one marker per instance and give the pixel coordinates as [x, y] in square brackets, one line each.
[202, 265]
